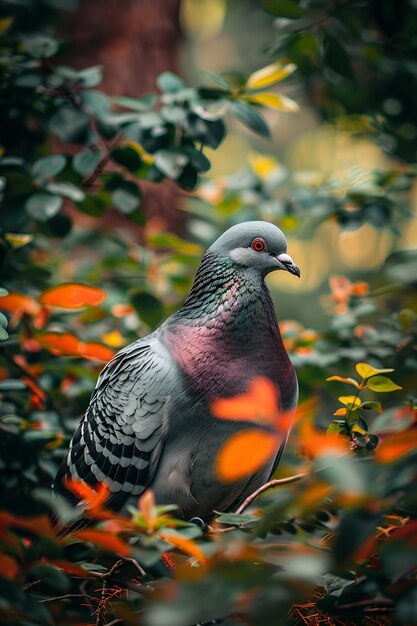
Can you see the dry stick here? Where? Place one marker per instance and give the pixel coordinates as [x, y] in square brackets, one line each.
[269, 485]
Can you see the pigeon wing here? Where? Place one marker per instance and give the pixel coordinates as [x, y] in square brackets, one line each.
[120, 439]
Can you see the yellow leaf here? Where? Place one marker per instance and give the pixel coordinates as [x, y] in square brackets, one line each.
[270, 74]
[145, 156]
[114, 339]
[17, 240]
[342, 379]
[5, 23]
[273, 101]
[263, 165]
[348, 400]
[366, 371]
[357, 429]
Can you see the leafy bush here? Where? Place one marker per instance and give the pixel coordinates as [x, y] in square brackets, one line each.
[332, 540]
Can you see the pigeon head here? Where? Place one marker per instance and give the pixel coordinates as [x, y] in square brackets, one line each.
[257, 245]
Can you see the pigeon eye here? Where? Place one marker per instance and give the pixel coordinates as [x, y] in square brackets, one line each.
[258, 245]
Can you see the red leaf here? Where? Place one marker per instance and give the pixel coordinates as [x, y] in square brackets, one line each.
[8, 566]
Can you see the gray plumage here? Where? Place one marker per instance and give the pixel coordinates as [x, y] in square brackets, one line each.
[149, 421]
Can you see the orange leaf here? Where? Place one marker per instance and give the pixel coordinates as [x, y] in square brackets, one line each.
[341, 411]
[60, 343]
[73, 296]
[186, 545]
[396, 446]
[244, 453]
[18, 302]
[34, 387]
[360, 288]
[342, 379]
[93, 498]
[95, 351]
[313, 497]
[260, 403]
[8, 566]
[67, 344]
[105, 540]
[340, 287]
[315, 443]
[146, 506]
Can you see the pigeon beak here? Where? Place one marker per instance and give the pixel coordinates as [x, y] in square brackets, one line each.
[288, 264]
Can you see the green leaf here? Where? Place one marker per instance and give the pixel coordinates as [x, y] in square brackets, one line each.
[126, 196]
[144, 103]
[210, 133]
[128, 157]
[169, 82]
[40, 46]
[251, 118]
[49, 166]
[70, 125]
[3, 334]
[12, 384]
[197, 159]
[149, 308]
[360, 426]
[382, 384]
[68, 190]
[218, 80]
[283, 8]
[95, 101]
[86, 161]
[87, 77]
[336, 57]
[236, 519]
[372, 442]
[337, 427]
[43, 206]
[371, 406]
[171, 162]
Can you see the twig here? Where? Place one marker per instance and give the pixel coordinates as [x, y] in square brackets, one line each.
[269, 485]
[365, 605]
[65, 597]
[122, 561]
[119, 620]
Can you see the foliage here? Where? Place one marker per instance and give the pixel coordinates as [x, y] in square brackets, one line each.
[337, 543]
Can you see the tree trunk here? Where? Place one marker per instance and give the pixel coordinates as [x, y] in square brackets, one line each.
[134, 41]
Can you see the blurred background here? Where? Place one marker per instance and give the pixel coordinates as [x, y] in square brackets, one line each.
[322, 154]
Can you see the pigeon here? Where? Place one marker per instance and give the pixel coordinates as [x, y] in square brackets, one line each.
[150, 421]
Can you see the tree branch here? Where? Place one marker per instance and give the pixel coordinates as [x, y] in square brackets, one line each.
[269, 485]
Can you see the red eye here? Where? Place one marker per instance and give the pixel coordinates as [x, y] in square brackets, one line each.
[258, 245]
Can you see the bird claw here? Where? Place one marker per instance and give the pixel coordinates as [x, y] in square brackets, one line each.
[199, 522]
